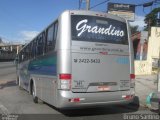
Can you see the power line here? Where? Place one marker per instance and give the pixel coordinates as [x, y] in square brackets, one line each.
[99, 4]
[147, 3]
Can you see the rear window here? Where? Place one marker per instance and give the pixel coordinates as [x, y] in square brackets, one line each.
[98, 29]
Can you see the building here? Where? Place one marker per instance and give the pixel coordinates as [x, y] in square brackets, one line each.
[8, 51]
[149, 50]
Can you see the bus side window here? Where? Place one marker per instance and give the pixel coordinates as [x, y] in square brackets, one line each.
[34, 47]
[55, 32]
[36, 50]
[24, 54]
[44, 41]
[32, 50]
[20, 57]
[51, 37]
[50, 32]
[29, 51]
[40, 44]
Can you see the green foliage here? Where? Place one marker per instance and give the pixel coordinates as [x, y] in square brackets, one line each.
[150, 19]
[134, 29]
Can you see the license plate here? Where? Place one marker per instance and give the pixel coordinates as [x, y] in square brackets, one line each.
[103, 88]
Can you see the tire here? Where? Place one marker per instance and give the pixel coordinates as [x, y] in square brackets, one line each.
[35, 98]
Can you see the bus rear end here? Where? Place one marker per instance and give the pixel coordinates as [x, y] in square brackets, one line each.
[101, 62]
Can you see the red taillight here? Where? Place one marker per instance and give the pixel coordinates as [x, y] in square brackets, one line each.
[65, 81]
[127, 97]
[132, 76]
[74, 100]
[65, 76]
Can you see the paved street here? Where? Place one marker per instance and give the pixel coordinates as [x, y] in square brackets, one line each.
[144, 86]
[15, 101]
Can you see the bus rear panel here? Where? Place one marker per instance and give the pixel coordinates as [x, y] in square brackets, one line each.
[96, 66]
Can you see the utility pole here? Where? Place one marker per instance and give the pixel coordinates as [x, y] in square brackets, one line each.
[87, 4]
[80, 2]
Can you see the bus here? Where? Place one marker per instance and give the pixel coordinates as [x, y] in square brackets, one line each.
[82, 59]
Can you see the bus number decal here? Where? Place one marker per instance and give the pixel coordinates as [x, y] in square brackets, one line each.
[86, 60]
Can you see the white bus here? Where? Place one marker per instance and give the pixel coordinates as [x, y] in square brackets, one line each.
[83, 58]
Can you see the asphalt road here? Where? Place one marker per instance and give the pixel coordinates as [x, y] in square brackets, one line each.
[18, 104]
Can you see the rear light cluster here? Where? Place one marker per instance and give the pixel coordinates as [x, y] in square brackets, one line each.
[127, 97]
[132, 78]
[74, 100]
[65, 81]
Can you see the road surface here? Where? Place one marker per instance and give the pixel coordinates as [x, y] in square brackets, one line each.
[18, 104]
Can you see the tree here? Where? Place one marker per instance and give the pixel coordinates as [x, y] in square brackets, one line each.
[150, 19]
[134, 29]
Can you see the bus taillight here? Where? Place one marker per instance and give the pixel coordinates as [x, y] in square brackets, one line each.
[65, 81]
[132, 76]
[65, 76]
[74, 100]
[127, 97]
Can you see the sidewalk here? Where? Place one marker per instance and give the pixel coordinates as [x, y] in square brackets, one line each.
[144, 86]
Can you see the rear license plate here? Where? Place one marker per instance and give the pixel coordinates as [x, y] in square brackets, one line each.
[103, 88]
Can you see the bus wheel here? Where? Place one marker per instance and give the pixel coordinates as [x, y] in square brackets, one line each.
[35, 98]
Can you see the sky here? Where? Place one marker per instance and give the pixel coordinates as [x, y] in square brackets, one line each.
[21, 20]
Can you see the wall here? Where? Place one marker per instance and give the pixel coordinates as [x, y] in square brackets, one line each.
[145, 67]
[142, 67]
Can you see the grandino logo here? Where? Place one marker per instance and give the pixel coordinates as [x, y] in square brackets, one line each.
[82, 27]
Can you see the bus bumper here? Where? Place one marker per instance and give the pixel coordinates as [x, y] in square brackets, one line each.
[68, 99]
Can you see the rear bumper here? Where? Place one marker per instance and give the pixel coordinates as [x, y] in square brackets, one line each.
[91, 99]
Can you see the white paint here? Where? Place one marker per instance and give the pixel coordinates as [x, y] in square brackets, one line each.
[4, 110]
[111, 30]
